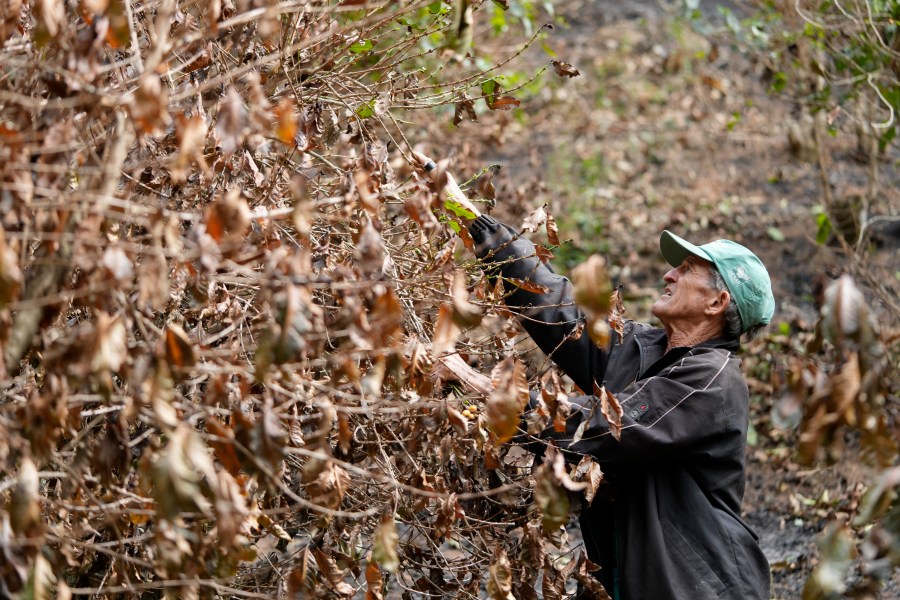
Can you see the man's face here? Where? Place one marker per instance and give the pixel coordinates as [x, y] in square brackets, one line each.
[687, 293]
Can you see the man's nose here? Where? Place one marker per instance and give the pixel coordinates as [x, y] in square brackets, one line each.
[671, 276]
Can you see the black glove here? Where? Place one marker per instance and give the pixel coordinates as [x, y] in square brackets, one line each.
[490, 234]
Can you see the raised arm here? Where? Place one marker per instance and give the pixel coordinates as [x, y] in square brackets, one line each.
[665, 417]
[550, 317]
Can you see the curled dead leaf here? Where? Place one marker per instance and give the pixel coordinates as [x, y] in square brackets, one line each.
[499, 584]
[564, 69]
[589, 472]
[332, 574]
[329, 487]
[611, 409]
[528, 285]
[508, 398]
[228, 219]
[537, 218]
[384, 545]
[374, 581]
[191, 132]
[231, 122]
[24, 507]
[10, 273]
[149, 106]
[465, 314]
[550, 497]
[179, 349]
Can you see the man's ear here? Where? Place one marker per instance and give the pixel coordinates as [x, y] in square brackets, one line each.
[718, 302]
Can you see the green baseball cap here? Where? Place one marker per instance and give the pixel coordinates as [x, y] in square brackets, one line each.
[744, 274]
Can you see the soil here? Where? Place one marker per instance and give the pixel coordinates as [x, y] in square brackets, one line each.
[666, 128]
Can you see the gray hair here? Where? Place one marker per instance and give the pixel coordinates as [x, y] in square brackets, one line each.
[732, 325]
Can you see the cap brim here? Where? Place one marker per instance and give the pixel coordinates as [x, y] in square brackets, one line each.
[675, 249]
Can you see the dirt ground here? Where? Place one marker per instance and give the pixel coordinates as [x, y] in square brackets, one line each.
[669, 129]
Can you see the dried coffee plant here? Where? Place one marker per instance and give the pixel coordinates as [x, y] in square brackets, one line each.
[223, 290]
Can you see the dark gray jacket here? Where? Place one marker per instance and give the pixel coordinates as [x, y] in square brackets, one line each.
[668, 526]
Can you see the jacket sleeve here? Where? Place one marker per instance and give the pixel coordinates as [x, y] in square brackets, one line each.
[663, 416]
[550, 316]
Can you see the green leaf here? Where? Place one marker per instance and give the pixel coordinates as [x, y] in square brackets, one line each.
[733, 120]
[752, 436]
[779, 82]
[458, 209]
[438, 8]
[886, 138]
[366, 110]
[362, 46]
[824, 228]
[775, 234]
[489, 87]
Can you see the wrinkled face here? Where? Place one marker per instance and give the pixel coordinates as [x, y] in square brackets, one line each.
[687, 293]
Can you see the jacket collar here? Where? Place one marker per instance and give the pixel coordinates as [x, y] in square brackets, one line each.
[652, 345]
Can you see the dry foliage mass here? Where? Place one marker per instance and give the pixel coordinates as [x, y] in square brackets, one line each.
[225, 292]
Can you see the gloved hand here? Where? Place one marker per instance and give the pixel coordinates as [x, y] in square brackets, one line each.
[490, 234]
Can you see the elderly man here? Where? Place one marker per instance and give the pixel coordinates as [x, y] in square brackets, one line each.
[669, 523]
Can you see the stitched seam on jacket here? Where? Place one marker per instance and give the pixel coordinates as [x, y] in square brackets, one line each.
[671, 369]
[688, 395]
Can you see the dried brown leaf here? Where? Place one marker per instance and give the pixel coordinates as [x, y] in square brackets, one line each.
[332, 574]
[224, 448]
[616, 315]
[448, 511]
[550, 495]
[51, 18]
[589, 472]
[555, 400]
[370, 254]
[508, 398]
[503, 103]
[446, 331]
[611, 409]
[191, 132]
[465, 314]
[10, 273]
[464, 109]
[228, 219]
[452, 367]
[528, 285]
[110, 344]
[149, 106]
[24, 507]
[384, 544]
[592, 287]
[537, 218]
[179, 349]
[499, 584]
[564, 69]
[286, 121]
[374, 581]
[231, 122]
[592, 588]
[552, 229]
[543, 253]
[329, 488]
